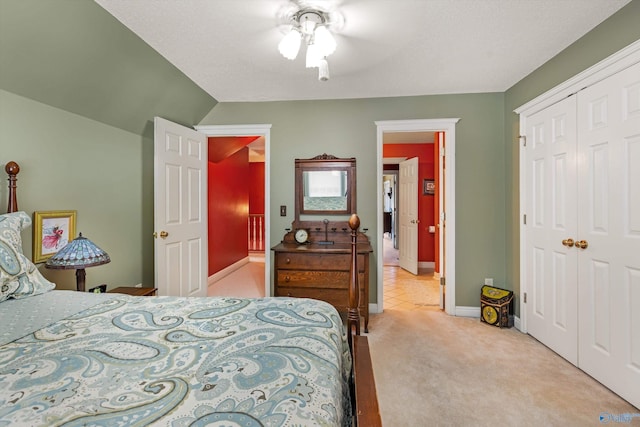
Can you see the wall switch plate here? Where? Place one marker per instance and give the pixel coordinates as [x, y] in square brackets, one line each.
[283, 210]
[488, 281]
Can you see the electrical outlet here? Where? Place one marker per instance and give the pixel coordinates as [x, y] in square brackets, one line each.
[488, 281]
[139, 285]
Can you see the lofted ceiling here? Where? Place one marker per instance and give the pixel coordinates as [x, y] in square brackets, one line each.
[385, 48]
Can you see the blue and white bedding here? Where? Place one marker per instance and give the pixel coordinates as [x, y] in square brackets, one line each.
[179, 362]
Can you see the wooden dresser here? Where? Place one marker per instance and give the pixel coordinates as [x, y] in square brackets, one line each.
[321, 271]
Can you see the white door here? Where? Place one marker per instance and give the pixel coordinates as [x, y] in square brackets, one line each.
[609, 265]
[550, 159]
[408, 213]
[180, 209]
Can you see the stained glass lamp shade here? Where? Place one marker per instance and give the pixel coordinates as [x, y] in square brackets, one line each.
[78, 254]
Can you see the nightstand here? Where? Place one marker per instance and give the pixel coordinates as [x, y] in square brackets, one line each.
[140, 292]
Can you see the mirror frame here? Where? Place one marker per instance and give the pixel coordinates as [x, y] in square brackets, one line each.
[325, 162]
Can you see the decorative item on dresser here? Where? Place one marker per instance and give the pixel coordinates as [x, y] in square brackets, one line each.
[87, 329]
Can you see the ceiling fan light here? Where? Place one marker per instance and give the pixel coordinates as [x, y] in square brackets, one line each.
[313, 56]
[323, 70]
[324, 40]
[290, 44]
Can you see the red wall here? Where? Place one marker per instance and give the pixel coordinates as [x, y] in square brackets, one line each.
[256, 188]
[425, 155]
[229, 183]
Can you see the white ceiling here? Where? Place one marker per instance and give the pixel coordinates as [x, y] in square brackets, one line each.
[385, 47]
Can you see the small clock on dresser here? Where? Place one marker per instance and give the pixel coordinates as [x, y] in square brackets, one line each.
[301, 236]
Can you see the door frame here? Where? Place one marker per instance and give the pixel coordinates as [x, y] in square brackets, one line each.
[609, 66]
[448, 126]
[253, 130]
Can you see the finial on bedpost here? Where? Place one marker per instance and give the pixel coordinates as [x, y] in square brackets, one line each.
[12, 169]
[353, 316]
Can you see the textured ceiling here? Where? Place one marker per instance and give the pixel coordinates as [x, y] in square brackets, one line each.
[385, 48]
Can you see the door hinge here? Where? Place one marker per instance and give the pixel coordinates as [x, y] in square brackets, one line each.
[524, 219]
[523, 138]
[524, 297]
[442, 281]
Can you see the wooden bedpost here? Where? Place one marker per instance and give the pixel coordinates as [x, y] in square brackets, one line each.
[353, 317]
[12, 169]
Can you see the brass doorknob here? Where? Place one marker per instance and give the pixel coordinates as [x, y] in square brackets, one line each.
[582, 244]
[568, 242]
[163, 234]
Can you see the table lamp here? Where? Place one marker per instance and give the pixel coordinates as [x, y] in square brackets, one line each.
[78, 254]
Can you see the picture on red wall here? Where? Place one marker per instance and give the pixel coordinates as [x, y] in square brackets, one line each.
[428, 187]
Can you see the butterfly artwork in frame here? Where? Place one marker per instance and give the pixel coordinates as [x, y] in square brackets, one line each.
[52, 231]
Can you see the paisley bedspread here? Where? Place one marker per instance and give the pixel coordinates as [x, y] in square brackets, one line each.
[181, 362]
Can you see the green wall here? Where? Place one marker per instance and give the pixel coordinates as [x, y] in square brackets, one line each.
[78, 93]
[346, 128]
[74, 55]
[620, 30]
[69, 162]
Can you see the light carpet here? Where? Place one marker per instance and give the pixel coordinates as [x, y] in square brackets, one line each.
[432, 369]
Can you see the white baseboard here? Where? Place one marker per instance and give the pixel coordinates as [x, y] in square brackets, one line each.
[427, 264]
[373, 308]
[516, 323]
[226, 271]
[467, 311]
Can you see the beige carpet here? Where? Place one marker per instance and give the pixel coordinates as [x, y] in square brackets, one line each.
[432, 369]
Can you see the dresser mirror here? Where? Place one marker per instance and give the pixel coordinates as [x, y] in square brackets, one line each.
[325, 185]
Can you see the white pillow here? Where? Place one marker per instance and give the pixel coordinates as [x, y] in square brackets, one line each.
[19, 277]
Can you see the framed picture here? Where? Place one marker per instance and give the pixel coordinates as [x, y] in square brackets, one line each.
[52, 230]
[428, 187]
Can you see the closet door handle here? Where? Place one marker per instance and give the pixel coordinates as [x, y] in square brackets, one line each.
[582, 244]
[568, 242]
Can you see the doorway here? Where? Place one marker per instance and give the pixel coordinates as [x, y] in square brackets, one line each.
[447, 271]
[391, 253]
[263, 132]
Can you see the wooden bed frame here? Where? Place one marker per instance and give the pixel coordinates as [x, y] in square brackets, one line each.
[364, 397]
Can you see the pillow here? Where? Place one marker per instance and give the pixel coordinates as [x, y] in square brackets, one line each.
[19, 277]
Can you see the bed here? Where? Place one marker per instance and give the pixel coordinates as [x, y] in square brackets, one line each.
[72, 358]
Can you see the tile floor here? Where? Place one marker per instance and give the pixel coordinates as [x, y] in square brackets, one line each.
[404, 291]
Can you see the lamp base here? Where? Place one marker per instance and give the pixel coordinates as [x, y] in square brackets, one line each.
[80, 276]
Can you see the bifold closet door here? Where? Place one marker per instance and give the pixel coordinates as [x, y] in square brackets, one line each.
[609, 232]
[551, 206]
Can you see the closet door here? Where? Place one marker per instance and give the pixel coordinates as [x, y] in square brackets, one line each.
[609, 207]
[551, 259]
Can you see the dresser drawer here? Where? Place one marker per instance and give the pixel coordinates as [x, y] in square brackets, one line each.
[317, 261]
[315, 279]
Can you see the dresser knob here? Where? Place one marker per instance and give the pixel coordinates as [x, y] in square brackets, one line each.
[287, 278]
[288, 294]
[288, 261]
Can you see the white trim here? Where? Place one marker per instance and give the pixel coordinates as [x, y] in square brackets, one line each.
[251, 130]
[373, 308]
[620, 60]
[448, 126]
[227, 271]
[609, 66]
[517, 323]
[463, 311]
[522, 189]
